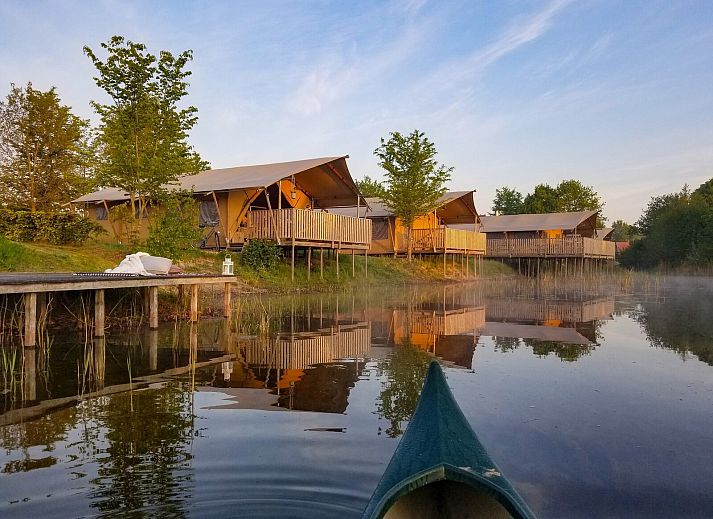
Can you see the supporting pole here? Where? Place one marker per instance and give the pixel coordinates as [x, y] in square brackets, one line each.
[29, 339]
[29, 378]
[337, 255]
[366, 263]
[321, 263]
[444, 263]
[227, 292]
[353, 265]
[292, 259]
[153, 307]
[194, 303]
[99, 313]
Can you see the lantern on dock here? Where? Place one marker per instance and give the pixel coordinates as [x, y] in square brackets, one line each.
[228, 265]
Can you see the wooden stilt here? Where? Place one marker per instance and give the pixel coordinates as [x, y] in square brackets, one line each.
[444, 263]
[227, 293]
[321, 263]
[337, 257]
[292, 259]
[29, 339]
[194, 303]
[366, 263]
[99, 313]
[353, 264]
[153, 307]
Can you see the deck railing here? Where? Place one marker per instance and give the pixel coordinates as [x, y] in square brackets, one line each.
[309, 227]
[568, 246]
[447, 239]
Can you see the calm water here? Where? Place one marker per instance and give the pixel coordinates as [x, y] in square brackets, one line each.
[593, 406]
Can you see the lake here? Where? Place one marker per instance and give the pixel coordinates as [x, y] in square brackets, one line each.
[594, 402]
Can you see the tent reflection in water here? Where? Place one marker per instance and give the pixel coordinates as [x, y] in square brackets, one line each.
[440, 469]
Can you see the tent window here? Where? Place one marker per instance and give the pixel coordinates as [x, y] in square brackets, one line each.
[100, 212]
[379, 229]
[208, 213]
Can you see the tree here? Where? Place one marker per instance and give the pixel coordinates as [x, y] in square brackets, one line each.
[370, 188]
[542, 200]
[572, 195]
[45, 151]
[623, 231]
[507, 201]
[143, 132]
[414, 180]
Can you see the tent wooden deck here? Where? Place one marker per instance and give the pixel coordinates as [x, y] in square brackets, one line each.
[564, 247]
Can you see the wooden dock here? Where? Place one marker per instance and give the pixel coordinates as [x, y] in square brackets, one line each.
[33, 287]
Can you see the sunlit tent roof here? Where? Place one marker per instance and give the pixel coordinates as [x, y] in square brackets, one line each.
[531, 331]
[603, 234]
[326, 180]
[535, 222]
[453, 207]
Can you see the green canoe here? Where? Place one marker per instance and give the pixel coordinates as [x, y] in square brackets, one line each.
[440, 469]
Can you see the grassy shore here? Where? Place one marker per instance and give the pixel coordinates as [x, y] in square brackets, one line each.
[26, 257]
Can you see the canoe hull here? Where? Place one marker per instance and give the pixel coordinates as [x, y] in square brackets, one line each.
[441, 468]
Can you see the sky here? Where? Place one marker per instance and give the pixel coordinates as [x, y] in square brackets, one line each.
[616, 94]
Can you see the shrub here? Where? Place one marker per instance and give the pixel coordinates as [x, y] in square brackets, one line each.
[261, 255]
[55, 228]
[175, 229]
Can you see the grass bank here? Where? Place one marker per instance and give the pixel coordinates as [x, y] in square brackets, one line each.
[33, 257]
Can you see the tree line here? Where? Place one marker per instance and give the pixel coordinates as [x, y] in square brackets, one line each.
[675, 229]
[568, 196]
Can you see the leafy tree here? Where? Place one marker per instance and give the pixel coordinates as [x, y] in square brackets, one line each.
[370, 187]
[175, 231]
[656, 206]
[507, 201]
[677, 230]
[542, 200]
[568, 196]
[143, 132]
[572, 195]
[45, 151]
[623, 231]
[414, 180]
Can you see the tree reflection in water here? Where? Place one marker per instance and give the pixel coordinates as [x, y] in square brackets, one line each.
[683, 323]
[147, 463]
[405, 370]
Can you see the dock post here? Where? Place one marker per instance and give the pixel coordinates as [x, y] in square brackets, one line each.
[226, 300]
[29, 340]
[99, 312]
[444, 263]
[321, 263]
[353, 264]
[194, 303]
[337, 257]
[292, 261]
[366, 263]
[153, 307]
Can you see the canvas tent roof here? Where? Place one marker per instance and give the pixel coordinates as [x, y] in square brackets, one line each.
[327, 180]
[534, 222]
[603, 234]
[453, 207]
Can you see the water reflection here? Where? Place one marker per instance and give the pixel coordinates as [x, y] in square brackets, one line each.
[111, 425]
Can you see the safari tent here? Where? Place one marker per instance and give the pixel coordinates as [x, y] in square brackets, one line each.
[432, 232]
[285, 202]
[548, 235]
